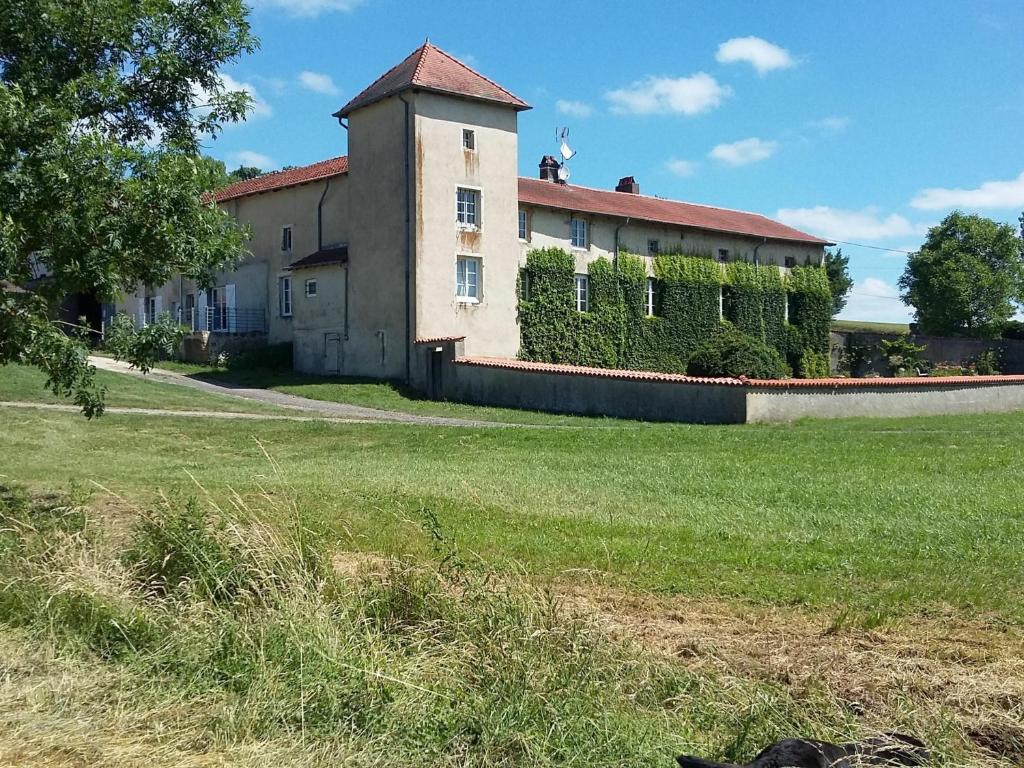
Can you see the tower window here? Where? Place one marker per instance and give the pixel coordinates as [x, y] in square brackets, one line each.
[468, 139]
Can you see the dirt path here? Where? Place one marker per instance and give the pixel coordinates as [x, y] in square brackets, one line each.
[343, 412]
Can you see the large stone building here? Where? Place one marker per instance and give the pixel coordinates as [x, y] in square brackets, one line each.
[420, 232]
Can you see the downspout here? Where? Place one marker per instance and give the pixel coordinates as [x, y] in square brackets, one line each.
[320, 217]
[618, 285]
[408, 250]
[343, 124]
[757, 247]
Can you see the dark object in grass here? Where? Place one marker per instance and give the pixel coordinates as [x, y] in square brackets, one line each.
[891, 749]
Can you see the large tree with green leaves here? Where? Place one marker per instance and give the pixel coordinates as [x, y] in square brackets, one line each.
[103, 104]
[968, 277]
[837, 267]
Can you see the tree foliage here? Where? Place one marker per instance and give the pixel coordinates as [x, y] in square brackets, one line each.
[102, 107]
[837, 267]
[245, 172]
[967, 279]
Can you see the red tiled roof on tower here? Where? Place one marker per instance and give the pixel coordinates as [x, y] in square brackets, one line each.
[429, 68]
[281, 179]
[551, 194]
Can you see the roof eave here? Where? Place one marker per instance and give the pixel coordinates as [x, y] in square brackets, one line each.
[352, 106]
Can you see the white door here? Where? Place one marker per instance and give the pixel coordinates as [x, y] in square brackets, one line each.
[332, 354]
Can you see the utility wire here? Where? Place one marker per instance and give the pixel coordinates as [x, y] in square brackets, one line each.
[874, 247]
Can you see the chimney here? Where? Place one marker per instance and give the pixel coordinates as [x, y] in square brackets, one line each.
[549, 168]
[628, 184]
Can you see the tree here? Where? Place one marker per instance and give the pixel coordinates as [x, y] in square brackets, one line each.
[102, 107]
[967, 278]
[244, 173]
[837, 267]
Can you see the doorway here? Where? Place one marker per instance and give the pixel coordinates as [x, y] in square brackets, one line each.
[332, 354]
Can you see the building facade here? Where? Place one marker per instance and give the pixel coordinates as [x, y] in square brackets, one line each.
[419, 233]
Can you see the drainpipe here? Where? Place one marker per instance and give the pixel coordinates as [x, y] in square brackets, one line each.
[320, 217]
[408, 249]
[618, 286]
[756, 248]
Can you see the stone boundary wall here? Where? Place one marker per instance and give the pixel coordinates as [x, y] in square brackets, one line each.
[938, 349]
[652, 396]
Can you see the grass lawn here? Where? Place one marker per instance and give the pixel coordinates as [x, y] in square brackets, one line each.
[869, 327]
[22, 383]
[369, 393]
[881, 517]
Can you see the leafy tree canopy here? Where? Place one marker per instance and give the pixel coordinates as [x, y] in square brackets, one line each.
[244, 173]
[103, 104]
[968, 277]
[837, 267]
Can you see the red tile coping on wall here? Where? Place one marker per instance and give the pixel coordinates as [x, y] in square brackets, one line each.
[439, 339]
[742, 381]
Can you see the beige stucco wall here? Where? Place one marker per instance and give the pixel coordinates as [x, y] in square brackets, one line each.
[377, 241]
[317, 317]
[550, 229]
[442, 166]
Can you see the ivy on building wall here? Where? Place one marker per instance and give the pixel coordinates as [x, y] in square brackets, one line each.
[690, 293]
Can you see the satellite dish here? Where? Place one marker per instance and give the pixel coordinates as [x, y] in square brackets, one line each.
[563, 173]
[566, 151]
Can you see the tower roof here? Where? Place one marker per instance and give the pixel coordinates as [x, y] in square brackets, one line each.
[428, 68]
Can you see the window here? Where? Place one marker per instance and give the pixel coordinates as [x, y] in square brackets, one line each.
[524, 232]
[579, 233]
[524, 285]
[219, 308]
[723, 254]
[468, 139]
[467, 207]
[790, 261]
[286, 239]
[653, 248]
[189, 310]
[649, 297]
[582, 293]
[311, 288]
[284, 296]
[467, 279]
[150, 310]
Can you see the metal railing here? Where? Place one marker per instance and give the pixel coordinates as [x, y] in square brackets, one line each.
[221, 319]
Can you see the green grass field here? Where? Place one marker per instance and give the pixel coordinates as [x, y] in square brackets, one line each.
[865, 326]
[22, 383]
[758, 579]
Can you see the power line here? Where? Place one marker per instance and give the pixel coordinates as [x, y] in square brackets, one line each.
[876, 296]
[875, 247]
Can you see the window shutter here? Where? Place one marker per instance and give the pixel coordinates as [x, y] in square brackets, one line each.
[201, 324]
[158, 306]
[142, 313]
[229, 292]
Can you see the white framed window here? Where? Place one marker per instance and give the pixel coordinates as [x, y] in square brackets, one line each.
[653, 247]
[467, 207]
[578, 233]
[723, 254]
[524, 225]
[468, 139]
[524, 285]
[467, 279]
[188, 310]
[582, 293]
[790, 261]
[286, 239]
[311, 287]
[220, 306]
[150, 310]
[284, 296]
[649, 298]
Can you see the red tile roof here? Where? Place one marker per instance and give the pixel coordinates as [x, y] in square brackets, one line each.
[439, 339]
[654, 209]
[742, 381]
[431, 69]
[281, 179]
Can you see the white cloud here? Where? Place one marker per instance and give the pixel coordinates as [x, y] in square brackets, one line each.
[663, 95]
[842, 224]
[991, 194]
[574, 108]
[307, 8]
[830, 124]
[744, 152]
[252, 159]
[318, 83]
[874, 300]
[682, 168]
[759, 53]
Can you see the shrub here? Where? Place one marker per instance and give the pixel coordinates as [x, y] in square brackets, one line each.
[1013, 329]
[814, 365]
[903, 357]
[734, 353]
[987, 363]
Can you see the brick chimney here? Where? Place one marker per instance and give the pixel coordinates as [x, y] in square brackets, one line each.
[628, 184]
[548, 168]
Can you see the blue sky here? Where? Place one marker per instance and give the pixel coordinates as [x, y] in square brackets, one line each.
[864, 122]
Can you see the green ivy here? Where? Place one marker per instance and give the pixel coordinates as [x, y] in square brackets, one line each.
[616, 333]
[810, 308]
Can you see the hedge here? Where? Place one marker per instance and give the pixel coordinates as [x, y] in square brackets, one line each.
[689, 293]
